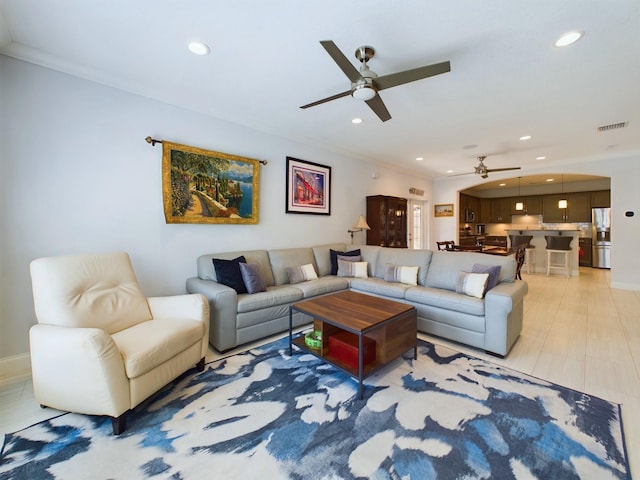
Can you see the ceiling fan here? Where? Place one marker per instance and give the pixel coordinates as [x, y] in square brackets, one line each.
[365, 84]
[483, 171]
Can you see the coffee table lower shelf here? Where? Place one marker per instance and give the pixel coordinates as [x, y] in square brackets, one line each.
[367, 368]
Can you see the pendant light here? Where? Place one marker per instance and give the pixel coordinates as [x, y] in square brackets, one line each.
[519, 203]
[562, 203]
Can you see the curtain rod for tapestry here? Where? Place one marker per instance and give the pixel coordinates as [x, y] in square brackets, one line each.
[153, 141]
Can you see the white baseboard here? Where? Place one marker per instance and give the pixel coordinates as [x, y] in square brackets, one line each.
[15, 367]
[625, 286]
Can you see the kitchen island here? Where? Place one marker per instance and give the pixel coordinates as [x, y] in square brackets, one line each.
[540, 244]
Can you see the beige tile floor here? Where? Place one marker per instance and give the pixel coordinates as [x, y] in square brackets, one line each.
[577, 332]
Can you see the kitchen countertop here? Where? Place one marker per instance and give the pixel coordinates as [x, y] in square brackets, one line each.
[542, 230]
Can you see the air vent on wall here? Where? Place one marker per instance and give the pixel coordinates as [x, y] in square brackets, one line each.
[613, 126]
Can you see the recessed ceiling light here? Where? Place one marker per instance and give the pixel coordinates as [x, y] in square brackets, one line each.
[549, 180]
[449, 171]
[525, 137]
[569, 38]
[502, 184]
[198, 48]
[357, 121]
[541, 158]
[419, 159]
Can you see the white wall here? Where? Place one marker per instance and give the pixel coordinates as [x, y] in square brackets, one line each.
[77, 176]
[625, 196]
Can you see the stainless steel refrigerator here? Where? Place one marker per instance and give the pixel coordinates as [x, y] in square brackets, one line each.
[601, 237]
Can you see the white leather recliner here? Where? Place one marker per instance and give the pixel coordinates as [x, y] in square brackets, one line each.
[100, 347]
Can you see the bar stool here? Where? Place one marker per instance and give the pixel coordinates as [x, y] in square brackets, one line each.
[559, 245]
[529, 254]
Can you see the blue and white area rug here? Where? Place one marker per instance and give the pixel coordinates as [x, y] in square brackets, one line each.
[263, 414]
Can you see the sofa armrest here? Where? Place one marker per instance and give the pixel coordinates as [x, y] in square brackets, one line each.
[503, 315]
[193, 307]
[223, 311]
[79, 370]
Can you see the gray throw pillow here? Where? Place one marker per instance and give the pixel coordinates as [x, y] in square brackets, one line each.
[252, 278]
[301, 274]
[492, 270]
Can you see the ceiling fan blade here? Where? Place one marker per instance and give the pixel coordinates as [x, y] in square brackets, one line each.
[400, 78]
[377, 105]
[345, 65]
[328, 99]
[460, 174]
[502, 169]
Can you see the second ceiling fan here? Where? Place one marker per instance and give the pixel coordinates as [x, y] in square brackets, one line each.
[483, 171]
[365, 84]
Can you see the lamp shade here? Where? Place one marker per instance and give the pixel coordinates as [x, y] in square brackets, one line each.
[362, 224]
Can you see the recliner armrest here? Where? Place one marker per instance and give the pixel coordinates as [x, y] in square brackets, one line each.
[79, 370]
[194, 307]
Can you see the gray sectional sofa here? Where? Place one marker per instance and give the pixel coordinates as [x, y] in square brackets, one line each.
[492, 323]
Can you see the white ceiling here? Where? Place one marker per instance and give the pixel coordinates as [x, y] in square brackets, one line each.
[507, 79]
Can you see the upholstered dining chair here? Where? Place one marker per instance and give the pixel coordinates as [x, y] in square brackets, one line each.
[100, 347]
[446, 245]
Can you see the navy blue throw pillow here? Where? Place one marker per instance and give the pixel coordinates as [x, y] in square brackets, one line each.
[333, 256]
[228, 273]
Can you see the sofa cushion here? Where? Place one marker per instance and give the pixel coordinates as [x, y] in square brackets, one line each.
[273, 296]
[148, 344]
[445, 299]
[322, 286]
[333, 256]
[229, 274]
[282, 259]
[444, 267]
[401, 256]
[252, 277]
[377, 286]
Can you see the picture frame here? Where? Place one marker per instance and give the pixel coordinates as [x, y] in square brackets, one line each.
[443, 210]
[308, 187]
[205, 186]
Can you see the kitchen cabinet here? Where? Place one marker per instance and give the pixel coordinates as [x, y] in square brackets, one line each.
[532, 205]
[485, 210]
[578, 209]
[468, 204]
[601, 198]
[501, 210]
[387, 217]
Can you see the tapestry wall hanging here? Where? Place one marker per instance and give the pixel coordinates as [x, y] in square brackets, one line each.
[308, 187]
[202, 186]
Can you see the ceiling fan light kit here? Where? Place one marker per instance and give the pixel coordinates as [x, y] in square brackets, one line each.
[365, 84]
[363, 92]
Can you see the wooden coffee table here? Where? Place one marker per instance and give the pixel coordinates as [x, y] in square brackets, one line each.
[391, 325]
